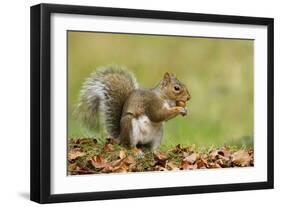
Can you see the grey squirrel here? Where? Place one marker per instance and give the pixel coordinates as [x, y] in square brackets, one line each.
[130, 114]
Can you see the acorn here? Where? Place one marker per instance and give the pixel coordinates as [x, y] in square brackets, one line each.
[181, 103]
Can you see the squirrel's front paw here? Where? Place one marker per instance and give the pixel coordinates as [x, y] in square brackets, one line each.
[182, 111]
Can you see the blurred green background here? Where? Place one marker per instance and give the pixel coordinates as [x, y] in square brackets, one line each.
[217, 72]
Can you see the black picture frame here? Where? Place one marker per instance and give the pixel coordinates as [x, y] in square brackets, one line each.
[41, 99]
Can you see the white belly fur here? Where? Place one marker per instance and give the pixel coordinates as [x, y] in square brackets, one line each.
[144, 131]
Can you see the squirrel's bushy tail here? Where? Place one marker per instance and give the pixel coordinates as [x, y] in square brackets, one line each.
[104, 93]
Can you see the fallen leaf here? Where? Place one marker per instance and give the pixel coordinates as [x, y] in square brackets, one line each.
[130, 160]
[200, 163]
[108, 148]
[115, 163]
[177, 149]
[185, 165]
[161, 159]
[98, 162]
[191, 158]
[217, 154]
[219, 162]
[221, 156]
[226, 152]
[241, 158]
[213, 165]
[71, 166]
[121, 168]
[81, 171]
[160, 168]
[171, 166]
[74, 153]
[160, 156]
[122, 154]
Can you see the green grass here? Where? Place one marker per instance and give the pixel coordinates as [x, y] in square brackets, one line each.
[217, 72]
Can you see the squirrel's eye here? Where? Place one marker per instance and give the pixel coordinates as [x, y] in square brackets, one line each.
[177, 88]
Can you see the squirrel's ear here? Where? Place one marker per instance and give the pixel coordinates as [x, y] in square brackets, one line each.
[167, 78]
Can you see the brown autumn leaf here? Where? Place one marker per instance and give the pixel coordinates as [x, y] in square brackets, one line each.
[121, 168]
[120, 165]
[224, 162]
[129, 160]
[71, 166]
[162, 163]
[220, 162]
[191, 158]
[122, 154]
[219, 153]
[205, 158]
[221, 157]
[161, 159]
[83, 170]
[99, 162]
[185, 165]
[190, 148]
[125, 164]
[177, 149]
[241, 158]
[226, 152]
[251, 153]
[200, 163]
[171, 166]
[214, 155]
[116, 163]
[74, 153]
[160, 156]
[159, 168]
[108, 148]
[213, 165]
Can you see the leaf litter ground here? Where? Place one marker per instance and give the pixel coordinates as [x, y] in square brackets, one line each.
[88, 156]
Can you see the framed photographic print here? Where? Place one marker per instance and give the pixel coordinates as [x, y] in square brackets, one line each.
[132, 103]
